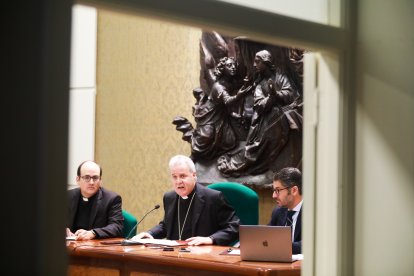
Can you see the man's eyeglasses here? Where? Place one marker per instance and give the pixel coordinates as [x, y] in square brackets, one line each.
[277, 190]
[88, 178]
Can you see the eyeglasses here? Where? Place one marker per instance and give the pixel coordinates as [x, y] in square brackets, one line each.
[88, 178]
[277, 191]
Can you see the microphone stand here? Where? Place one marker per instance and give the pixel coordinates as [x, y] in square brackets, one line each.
[132, 230]
[125, 241]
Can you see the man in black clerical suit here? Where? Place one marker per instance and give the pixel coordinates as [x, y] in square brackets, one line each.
[194, 213]
[94, 212]
[287, 191]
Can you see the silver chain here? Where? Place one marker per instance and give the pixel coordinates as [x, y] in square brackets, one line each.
[180, 230]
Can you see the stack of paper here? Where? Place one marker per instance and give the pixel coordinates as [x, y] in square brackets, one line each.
[150, 241]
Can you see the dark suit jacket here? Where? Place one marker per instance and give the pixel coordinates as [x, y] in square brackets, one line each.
[106, 214]
[212, 217]
[279, 216]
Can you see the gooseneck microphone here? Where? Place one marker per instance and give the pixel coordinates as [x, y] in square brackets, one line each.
[132, 230]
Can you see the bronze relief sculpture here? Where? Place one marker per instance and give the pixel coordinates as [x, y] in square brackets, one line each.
[248, 110]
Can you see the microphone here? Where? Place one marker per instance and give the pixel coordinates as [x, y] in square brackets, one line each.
[132, 230]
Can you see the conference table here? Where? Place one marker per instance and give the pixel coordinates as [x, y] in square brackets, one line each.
[97, 257]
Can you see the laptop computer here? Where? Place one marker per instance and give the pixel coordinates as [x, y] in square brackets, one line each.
[265, 243]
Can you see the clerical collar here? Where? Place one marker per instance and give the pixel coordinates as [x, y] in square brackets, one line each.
[189, 195]
[88, 199]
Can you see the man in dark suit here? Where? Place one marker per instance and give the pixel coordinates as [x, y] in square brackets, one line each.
[194, 213]
[287, 191]
[94, 212]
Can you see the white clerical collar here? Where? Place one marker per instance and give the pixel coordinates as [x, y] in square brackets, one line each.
[85, 198]
[190, 194]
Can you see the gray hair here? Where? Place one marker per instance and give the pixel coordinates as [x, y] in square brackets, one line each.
[182, 159]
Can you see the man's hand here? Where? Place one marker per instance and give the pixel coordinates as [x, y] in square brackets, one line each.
[69, 233]
[199, 240]
[142, 235]
[84, 235]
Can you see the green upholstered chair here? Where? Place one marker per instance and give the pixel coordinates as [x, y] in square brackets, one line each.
[129, 223]
[244, 200]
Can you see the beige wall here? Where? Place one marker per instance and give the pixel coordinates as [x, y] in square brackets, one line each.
[146, 71]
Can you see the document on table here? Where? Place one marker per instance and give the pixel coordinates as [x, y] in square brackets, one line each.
[233, 252]
[151, 241]
[236, 252]
[71, 238]
[297, 257]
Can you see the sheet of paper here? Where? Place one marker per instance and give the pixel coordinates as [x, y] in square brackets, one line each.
[151, 241]
[71, 238]
[297, 257]
[235, 252]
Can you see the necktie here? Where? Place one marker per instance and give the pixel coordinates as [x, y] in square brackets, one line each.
[289, 219]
